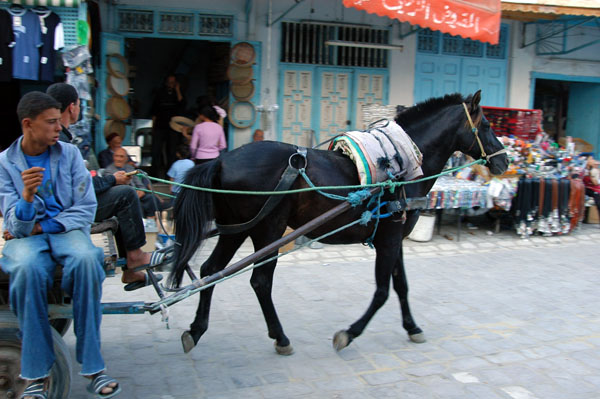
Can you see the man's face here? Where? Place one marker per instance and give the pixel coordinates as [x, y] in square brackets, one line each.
[74, 110]
[44, 129]
[115, 142]
[171, 82]
[120, 158]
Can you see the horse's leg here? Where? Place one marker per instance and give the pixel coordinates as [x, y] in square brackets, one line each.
[386, 246]
[218, 259]
[262, 283]
[401, 287]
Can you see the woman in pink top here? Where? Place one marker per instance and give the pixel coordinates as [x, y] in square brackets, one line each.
[208, 137]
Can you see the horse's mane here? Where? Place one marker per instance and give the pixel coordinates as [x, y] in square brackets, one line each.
[410, 115]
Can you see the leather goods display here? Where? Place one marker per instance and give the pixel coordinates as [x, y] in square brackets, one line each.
[548, 205]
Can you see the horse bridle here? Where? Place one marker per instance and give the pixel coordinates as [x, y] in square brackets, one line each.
[478, 140]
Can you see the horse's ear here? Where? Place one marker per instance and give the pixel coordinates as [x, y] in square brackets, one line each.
[476, 99]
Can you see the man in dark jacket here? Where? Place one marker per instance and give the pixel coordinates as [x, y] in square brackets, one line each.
[115, 198]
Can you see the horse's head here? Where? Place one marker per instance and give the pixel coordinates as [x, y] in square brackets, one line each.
[477, 138]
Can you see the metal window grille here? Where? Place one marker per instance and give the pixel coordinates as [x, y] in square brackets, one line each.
[215, 25]
[304, 43]
[499, 50]
[176, 23]
[428, 41]
[138, 21]
[451, 45]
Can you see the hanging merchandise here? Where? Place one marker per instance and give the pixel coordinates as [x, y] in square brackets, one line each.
[7, 41]
[78, 59]
[26, 54]
[53, 39]
[78, 62]
[83, 32]
[243, 54]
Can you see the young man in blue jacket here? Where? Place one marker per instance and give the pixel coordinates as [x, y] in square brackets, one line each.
[48, 202]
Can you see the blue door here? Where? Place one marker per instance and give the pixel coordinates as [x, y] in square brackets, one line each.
[436, 76]
[583, 115]
[448, 64]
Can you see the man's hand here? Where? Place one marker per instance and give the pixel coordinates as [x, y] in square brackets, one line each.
[7, 236]
[121, 178]
[32, 179]
[140, 194]
[37, 229]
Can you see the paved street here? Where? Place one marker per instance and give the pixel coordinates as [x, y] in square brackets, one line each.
[504, 318]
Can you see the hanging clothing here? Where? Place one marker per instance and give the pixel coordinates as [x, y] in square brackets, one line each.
[28, 40]
[7, 41]
[53, 39]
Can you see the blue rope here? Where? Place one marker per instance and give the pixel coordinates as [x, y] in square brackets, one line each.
[355, 198]
[369, 241]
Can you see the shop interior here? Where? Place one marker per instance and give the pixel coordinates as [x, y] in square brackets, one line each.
[552, 97]
[200, 67]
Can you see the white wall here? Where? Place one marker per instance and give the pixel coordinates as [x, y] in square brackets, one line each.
[523, 61]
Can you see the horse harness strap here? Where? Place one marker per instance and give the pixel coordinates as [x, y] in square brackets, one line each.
[285, 182]
[476, 133]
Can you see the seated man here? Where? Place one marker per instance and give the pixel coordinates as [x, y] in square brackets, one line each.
[114, 197]
[48, 204]
[150, 203]
[117, 198]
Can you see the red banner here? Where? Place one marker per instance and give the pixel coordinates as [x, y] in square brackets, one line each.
[473, 19]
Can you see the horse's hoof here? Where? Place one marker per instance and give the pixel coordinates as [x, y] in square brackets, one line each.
[417, 338]
[341, 339]
[187, 341]
[284, 350]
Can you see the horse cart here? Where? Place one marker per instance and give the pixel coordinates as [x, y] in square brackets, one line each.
[59, 309]
[231, 190]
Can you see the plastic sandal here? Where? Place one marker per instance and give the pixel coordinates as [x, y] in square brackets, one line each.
[100, 382]
[35, 390]
[141, 284]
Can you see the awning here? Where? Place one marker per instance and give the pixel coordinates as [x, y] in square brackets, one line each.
[474, 19]
[531, 10]
[47, 3]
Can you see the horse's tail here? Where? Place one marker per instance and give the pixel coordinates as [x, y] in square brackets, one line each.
[193, 213]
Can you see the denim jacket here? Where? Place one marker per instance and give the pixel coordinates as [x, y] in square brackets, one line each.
[72, 187]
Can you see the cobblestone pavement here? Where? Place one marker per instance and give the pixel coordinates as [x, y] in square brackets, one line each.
[504, 318]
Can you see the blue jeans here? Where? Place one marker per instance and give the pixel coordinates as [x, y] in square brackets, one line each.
[31, 262]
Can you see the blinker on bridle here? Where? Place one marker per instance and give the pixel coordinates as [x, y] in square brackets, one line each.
[476, 133]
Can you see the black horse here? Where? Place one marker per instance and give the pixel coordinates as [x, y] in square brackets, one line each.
[438, 127]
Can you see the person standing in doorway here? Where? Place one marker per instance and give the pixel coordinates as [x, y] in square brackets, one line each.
[168, 103]
[208, 137]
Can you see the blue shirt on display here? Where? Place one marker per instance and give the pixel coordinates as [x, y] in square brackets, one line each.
[28, 39]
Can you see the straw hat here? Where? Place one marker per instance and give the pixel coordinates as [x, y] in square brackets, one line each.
[112, 126]
[177, 123]
[118, 108]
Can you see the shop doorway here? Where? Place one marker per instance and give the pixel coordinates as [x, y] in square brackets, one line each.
[552, 97]
[570, 107]
[201, 70]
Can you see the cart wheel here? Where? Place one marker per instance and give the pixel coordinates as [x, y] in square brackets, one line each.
[61, 325]
[11, 386]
